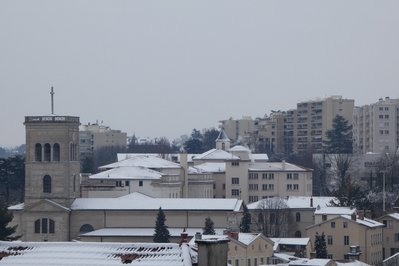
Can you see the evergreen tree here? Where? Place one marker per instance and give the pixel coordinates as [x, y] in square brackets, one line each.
[320, 246]
[161, 234]
[6, 232]
[339, 137]
[208, 229]
[245, 220]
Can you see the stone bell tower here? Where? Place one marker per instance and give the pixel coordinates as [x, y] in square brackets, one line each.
[52, 158]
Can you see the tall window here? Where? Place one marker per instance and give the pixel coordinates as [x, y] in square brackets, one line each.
[298, 234]
[38, 152]
[346, 240]
[297, 217]
[47, 152]
[44, 226]
[56, 152]
[47, 184]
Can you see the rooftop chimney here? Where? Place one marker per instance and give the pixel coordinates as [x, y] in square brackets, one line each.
[183, 236]
[212, 252]
[311, 201]
[353, 217]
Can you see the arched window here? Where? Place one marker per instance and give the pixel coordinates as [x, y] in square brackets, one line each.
[86, 228]
[47, 152]
[298, 234]
[47, 184]
[44, 226]
[297, 217]
[56, 152]
[38, 152]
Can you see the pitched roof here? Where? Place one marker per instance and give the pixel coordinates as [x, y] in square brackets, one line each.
[128, 172]
[212, 167]
[215, 154]
[222, 136]
[94, 254]
[335, 210]
[132, 232]
[304, 241]
[298, 202]
[148, 161]
[126, 203]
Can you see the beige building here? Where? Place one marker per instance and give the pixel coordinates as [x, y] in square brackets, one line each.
[315, 117]
[269, 136]
[239, 129]
[351, 237]
[246, 249]
[390, 242]
[95, 136]
[376, 127]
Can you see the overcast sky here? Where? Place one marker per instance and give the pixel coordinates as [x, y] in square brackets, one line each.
[162, 68]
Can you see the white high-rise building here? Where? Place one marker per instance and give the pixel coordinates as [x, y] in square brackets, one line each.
[376, 127]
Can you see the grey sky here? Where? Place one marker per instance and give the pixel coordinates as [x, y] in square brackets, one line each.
[162, 68]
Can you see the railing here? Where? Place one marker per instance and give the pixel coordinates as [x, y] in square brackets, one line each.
[51, 119]
[391, 261]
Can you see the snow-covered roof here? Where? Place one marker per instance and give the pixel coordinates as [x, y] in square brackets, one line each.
[256, 157]
[239, 148]
[304, 241]
[352, 263]
[94, 254]
[212, 167]
[335, 211]
[244, 238]
[276, 166]
[298, 202]
[128, 172]
[167, 156]
[17, 207]
[285, 257]
[215, 154]
[222, 136]
[132, 232]
[312, 262]
[126, 203]
[394, 215]
[365, 221]
[147, 161]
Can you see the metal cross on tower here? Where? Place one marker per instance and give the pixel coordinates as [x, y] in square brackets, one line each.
[52, 100]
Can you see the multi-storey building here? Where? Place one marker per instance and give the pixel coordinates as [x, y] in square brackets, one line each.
[376, 127]
[95, 136]
[351, 237]
[269, 135]
[390, 234]
[314, 118]
[239, 129]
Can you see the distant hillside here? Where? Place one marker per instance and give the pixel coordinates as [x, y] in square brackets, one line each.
[8, 152]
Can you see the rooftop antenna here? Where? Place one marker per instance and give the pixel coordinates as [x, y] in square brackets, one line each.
[52, 100]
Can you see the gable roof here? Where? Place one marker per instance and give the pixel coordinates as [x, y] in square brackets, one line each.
[215, 154]
[126, 203]
[212, 167]
[128, 173]
[298, 202]
[94, 254]
[304, 241]
[148, 161]
[364, 222]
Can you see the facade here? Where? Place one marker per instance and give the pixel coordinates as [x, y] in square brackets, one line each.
[390, 233]
[314, 118]
[269, 136]
[351, 237]
[239, 129]
[376, 127]
[94, 136]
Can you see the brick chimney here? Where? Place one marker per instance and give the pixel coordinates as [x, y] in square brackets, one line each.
[361, 215]
[231, 234]
[183, 236]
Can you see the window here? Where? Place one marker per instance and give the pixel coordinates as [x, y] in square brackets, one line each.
[296, 176]
[332, 224]
[38, 152]
[289, 186]
[264, 176]
[298, 234]
[56, 152]
[44, 226]
[235, 192]
[345, 224]
[387, 116]
[127, 183]
[396, 237]
[329, 240]
[271, 186]
[289, 175]
[346, 240]
[253, 175]
[118, 183]
[264, 186]
[86, 228]
[47, 184]
[235, 180]
[253, 186]
[271, 176]
[297, 217]
[140, 183]
[253, 198]
[324, 217]
[381, 116]
[296, 187]
[387, 223]
[235, 163]
[224, 186]
[47, 152]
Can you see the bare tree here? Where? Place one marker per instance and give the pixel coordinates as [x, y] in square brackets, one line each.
[272, 217]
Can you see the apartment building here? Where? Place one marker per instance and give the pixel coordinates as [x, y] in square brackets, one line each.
[239, 129]
[376, 127]
[351, 237]
[269, 134]
[314, 118]
[390, 234]
[95, 136]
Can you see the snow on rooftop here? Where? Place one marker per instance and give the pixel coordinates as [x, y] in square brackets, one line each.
[239, 148]
[276, 166]
[313, 262]
[365, 221]
[133, 232]
[352, 263]
[148, 161]
[126, 203]
[335, 210]
[93, 254]
[128, 173]
[298, 202]
[285, 257]
[259, 157]
[17, 207]
[212, 167]
[304, 241]
[215, 154]
[247, 238]
[394, 215]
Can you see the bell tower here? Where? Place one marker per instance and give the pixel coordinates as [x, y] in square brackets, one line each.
[52, 158]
